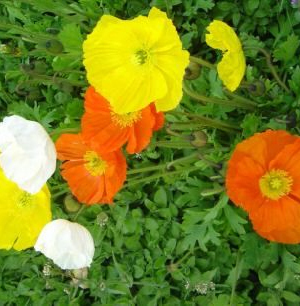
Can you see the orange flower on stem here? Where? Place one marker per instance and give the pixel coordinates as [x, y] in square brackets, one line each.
[111, 131]
[93, 177]
[263, 177]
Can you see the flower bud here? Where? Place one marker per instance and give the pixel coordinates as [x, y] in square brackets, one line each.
[257, 88]
[54, 46]
[71, 205]
[198, 139]
[192, 71]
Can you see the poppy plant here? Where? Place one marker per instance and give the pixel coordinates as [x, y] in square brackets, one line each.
[263, 178]
[93, 177]
[111, 130]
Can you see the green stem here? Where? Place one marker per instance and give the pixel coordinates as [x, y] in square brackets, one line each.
[203, 121]
[66, 130]
[202, 62]
[182, 259]
[236, 277]
[204, 100]
[145, 169]
[240, 98]
[166, 166]
[208, 121]
[174, 145]
[157, 176]
[271, 66]
[82, 208]
[211, 192]
[182, 160]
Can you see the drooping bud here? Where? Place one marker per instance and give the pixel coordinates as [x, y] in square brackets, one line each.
[257, 88]
[198, 139]
[54, 46]
[192, 71]
[71, 205]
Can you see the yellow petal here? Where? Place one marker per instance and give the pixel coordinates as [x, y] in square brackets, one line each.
[22, 216]
[221, 36]
[174, 76]
[231, 69]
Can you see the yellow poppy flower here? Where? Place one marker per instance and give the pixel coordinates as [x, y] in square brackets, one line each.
[22, 215]
[232, 67]
[133, 63]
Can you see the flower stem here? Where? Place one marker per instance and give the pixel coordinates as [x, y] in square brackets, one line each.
[203, 121]
[240, 98]
[166, 166]
[204, 100]
[146, 169]
[82, 208]
[160, 175]
[202, 62]
[271, 66]
[238, 267]
[66, 130]
[174, 145]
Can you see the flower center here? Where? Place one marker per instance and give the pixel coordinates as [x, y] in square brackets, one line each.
[275, 184]
[24, 199]
[94, 164]
[140, 57]
[126, 120]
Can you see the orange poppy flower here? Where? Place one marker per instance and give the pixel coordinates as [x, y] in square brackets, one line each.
[93, 177]
[111, 131]
[263, 177]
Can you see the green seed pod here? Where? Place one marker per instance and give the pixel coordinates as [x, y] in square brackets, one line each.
[198, 139]
[257, 88]
[192, 71]
[71, 205]
[54, 46]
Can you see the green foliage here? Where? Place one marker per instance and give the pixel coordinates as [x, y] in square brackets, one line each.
[174, 239]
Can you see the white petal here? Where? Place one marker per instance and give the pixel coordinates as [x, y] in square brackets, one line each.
[68, 244]
[28, 155]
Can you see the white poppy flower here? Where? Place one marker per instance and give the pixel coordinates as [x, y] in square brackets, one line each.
[68, 244]
[28, 155]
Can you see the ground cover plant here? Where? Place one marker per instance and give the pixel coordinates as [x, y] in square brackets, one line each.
[172, 236]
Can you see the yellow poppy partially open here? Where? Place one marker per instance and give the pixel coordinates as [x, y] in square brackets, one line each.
[133, 63]
[232, 67]
[22, 215]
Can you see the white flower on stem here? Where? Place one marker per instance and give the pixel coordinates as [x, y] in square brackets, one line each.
[69, 244]
[27, 153]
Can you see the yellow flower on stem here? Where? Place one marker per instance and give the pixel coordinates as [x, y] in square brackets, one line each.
[22, 215]
[232, 67]
[133, 63]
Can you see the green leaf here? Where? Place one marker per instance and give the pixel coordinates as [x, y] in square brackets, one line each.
[286, 50]
[71, 38]
[235, 221]
[290, 296]
[205, 4]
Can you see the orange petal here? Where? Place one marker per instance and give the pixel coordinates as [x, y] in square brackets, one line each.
[242, 181]
[70, 147]
[142, 133]
[278, 220]
[289, 160]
